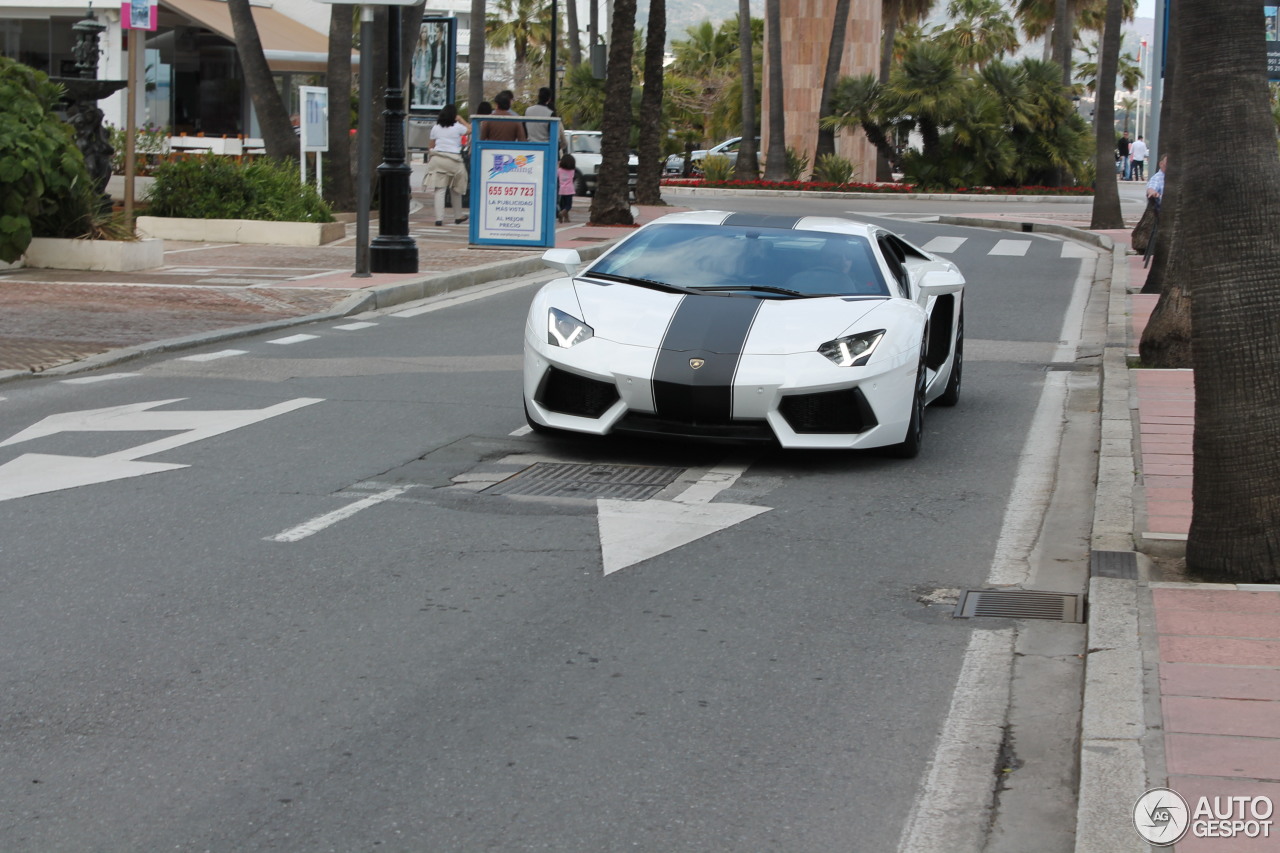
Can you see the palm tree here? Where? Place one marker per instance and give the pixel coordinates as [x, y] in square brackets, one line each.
[1230, 167]
[523, 24]
[892, 14]
[573, 35]
[775, 166]
[475, 59]
[748, 167]
[649, 174]
[278, 138]
[980, 31]
[835, 53]
[610, 205]
[856, 103]
[929, 87]
[707, 48]
[339, 189]
[1106, 193]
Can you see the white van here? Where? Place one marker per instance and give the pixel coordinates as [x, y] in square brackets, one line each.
[584, 145]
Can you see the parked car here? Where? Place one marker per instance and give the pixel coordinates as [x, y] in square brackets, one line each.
[584, 145]
[804, 331]
[728, 148]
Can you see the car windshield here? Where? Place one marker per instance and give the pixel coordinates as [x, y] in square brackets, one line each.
[727, 258]
[585, 144]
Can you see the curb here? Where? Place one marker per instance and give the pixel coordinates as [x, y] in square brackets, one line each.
[676, 190]
[369, 299]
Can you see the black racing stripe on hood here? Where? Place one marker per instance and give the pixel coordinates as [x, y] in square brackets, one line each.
[711, 328]
[761, 220]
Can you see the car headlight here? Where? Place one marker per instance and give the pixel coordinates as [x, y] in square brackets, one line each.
[565, 330]
[854, 350]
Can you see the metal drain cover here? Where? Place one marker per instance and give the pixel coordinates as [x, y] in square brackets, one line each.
[587, 481]
[1020, 604]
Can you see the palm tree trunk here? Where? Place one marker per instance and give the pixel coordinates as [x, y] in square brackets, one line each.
[475, 57]
[1231, 170]
[1106, 193]
[748, 168]
[278, 138]
[649, 174]
[340, 186]
[575, 40]
[835, 53]
[775, 166]
[610, 206]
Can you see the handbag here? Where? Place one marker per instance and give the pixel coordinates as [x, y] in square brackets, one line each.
[1142, 231]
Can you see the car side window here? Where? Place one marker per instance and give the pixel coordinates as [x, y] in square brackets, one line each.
[896, 257]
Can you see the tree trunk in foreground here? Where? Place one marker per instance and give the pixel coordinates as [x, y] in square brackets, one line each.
[1231, 173]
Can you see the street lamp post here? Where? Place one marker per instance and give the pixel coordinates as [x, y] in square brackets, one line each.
[393, 250]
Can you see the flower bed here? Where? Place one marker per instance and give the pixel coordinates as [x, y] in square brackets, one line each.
[891, 189]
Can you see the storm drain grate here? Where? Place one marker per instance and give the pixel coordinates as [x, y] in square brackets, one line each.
[1113, 564]
[1020, 604]
[587, 481]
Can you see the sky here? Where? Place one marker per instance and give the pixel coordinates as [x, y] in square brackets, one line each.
[1146, 9]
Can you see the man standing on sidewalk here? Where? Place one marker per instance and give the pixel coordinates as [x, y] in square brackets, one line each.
[1122, 151]
[1138, 158]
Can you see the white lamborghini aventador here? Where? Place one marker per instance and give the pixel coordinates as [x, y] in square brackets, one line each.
[813, 332]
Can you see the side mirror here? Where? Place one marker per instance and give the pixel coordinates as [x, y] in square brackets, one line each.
[566, 260]
[938, 282]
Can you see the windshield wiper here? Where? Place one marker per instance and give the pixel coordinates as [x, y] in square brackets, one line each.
[642, 282]
[762, 288]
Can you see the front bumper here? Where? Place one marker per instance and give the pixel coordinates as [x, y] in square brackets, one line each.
[798, 400]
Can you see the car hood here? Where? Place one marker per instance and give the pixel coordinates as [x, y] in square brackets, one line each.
[640, 316]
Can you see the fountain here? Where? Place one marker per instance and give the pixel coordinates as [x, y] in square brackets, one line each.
[81, 101]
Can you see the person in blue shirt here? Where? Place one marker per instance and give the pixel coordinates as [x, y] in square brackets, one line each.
[1155, 186]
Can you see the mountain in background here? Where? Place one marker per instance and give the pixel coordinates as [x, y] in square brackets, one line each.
[683, 14]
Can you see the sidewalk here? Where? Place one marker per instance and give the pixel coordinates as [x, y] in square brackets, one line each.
[1203, 706]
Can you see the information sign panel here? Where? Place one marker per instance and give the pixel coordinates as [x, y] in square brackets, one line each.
[513, 192]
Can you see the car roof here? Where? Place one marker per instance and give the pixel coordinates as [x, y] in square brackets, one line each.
[761, 220]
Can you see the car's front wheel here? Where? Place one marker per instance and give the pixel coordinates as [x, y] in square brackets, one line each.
[535, 426]
[910, 447]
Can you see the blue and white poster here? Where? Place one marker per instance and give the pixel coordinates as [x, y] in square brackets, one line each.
[513, 195]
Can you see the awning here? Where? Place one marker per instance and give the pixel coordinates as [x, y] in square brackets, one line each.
[287, 44]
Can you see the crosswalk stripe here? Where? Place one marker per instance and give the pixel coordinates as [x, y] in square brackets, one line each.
[944, 244]
[1016, 248]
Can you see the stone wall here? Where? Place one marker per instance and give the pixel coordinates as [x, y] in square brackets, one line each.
[806, 35]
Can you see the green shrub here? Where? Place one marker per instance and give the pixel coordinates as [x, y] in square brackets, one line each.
[716, 168]
[797, 164]
[833, 169]
[149, 143]
[42, 172]
[215, 187]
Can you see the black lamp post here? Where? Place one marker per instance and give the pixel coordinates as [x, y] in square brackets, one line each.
[393, 250]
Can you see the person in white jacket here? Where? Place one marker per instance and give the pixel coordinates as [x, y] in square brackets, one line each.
[1137, 158]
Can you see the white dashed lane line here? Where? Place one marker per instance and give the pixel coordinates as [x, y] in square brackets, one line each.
[293, 339]
[212, 356]
[1015, 248]
[351, 327]
[106, 377]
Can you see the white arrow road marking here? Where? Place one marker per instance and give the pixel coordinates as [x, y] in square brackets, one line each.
[38, 473]
[315, 525]
[634, 531]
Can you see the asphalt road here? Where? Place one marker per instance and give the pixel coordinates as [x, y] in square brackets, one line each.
[307, 628]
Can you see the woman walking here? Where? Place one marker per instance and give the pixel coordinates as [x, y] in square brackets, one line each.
[445, 169]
